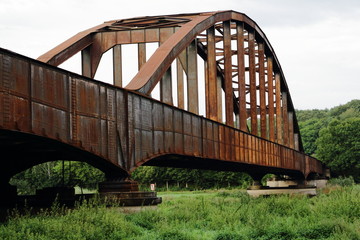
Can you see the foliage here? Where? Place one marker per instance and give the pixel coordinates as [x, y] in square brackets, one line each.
[348, 110]
[310, 133]
[79, 174]
[212, 215]
[342, 181]
[312, 121]
[339, 147]
[52, 174]
[305, 115]
[333, 136]
[180, 178]
[37, 177]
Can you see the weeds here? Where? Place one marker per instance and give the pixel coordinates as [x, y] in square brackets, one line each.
[342, 181]
[222, 215]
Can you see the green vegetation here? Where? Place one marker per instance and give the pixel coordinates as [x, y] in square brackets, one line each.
[225, 214]
[342, 181]
[333, 136]
[57, 173]
[312, 121]
[339, 147]
[189, 179]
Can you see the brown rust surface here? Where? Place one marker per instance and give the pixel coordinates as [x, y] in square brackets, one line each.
[48, 114]
[183, 37]
[122, 128]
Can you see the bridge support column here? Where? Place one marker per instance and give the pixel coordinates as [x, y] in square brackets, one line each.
[126, 193]
[285, 186]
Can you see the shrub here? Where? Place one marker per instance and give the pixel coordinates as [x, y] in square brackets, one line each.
[342, 181]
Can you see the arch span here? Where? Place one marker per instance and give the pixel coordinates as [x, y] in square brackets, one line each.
[23, 151]
[240, 66]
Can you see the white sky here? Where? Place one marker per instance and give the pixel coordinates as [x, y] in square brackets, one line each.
[316, 41]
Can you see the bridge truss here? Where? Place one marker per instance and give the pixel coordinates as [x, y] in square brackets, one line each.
[218, 63]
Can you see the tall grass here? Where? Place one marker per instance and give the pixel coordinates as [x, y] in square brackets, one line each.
[218, 215]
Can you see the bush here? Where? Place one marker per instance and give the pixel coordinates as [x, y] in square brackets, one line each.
[342, 181]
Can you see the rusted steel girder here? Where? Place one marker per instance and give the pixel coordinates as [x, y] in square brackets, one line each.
[51, 114]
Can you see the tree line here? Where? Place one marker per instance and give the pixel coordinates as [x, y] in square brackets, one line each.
[331, 135]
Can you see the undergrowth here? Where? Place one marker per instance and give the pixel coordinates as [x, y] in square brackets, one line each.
[221, 215]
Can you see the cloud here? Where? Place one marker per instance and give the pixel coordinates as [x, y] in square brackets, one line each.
[320, 61]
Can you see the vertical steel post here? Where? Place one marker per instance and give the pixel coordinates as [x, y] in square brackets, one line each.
[192, 81]
[291, 130]
[262, 91]
[285, 119]
[180, 84]
[279, 125]
[206, 86]
[141, 54]
[166, 87]
[219, 98]
[211, 100]
[241, 76]
[117, 66]
[229, 102]
[296, 142]
[270, 79]
[166, 80]
[86, 62]
[252, 71]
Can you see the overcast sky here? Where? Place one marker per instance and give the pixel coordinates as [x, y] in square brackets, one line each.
[316, 41]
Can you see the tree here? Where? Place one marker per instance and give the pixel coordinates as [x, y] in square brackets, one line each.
[310, 132]
[78, 174]
[52, 174]
[192, 178]
[37, 177]
[305, 115]
[339, 147]
[348, 110]
[312, 121]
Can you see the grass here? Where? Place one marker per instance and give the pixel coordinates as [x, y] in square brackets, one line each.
[78, 190]
[217, 215]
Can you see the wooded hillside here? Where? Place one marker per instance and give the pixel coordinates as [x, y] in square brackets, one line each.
[333, 136]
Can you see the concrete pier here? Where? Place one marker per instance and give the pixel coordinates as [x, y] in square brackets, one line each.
[277, 191]
[287, 186]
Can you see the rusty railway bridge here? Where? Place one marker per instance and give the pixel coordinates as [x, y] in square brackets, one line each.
[218, 63]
